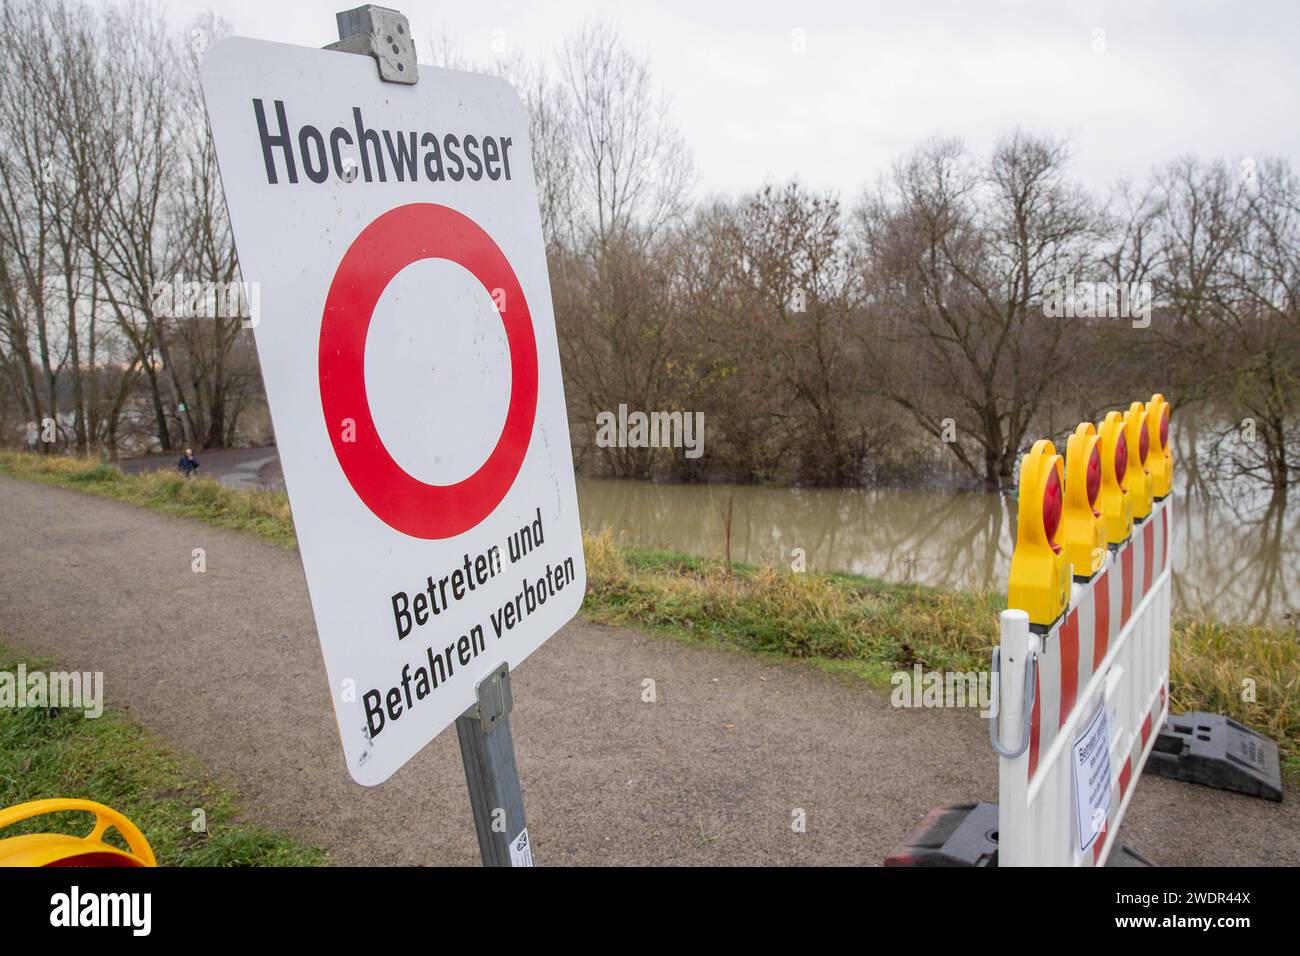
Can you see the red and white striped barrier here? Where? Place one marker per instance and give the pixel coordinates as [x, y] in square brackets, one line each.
[1107, 655]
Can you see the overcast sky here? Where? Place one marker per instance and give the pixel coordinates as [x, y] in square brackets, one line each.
[873, 79]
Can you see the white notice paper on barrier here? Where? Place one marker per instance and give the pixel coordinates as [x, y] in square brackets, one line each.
[1091, 767]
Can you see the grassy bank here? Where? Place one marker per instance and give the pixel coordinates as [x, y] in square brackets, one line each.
[48, 752]
[265, 513]
[845, 623]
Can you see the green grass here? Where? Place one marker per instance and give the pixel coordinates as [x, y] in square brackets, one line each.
[843, 623]
[51, 752]
[1249, 672]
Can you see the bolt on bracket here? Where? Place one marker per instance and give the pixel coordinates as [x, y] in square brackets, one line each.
[384, 34]
[494, 699]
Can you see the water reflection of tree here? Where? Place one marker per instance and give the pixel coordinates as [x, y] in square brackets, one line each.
[950, 539]
[953, 540]
[1240, 563]
[1234, 556]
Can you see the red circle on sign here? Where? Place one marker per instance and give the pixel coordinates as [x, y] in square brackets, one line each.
[384, 248]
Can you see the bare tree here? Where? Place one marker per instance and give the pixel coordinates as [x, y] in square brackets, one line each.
[143, 247]
[1231, 280]
[633, 169]
[30, 200]
[794, 284]
[623, 181]
[957, 255]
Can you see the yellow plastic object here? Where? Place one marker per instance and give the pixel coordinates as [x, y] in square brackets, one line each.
[1139, 449]
[1116, 511]
[61, 849]
[1082, 529]
[1160, 463]
[1040, 571]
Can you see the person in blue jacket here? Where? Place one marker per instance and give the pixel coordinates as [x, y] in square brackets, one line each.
[188, 463]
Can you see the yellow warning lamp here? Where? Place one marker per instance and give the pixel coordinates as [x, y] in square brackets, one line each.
[1116, 511]
[1160, 463]
[1040, 571]
[1138, 482]
[61, 849]
[1082, 529]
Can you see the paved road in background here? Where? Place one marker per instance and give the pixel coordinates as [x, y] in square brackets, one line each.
[243, 468]
[226, 665]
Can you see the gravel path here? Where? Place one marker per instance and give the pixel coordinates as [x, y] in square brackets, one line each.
[226, 665]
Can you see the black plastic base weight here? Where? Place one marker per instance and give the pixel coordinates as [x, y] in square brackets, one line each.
[1216, 751]
[966, 834]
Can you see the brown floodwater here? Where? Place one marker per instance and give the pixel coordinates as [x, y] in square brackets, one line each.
[1235, 554]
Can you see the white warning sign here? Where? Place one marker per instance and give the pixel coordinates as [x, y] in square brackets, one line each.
[407, 340]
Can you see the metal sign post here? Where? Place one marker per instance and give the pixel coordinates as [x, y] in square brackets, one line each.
[488, 752]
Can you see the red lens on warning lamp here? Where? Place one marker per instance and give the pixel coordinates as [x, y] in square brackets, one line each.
[1159, 464]
[1094, 477]
[1121, 457]
[1144, 445]
[1052, 508]
[1039, 582]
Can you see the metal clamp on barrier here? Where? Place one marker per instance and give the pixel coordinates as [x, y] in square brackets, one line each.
[1031, 688]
